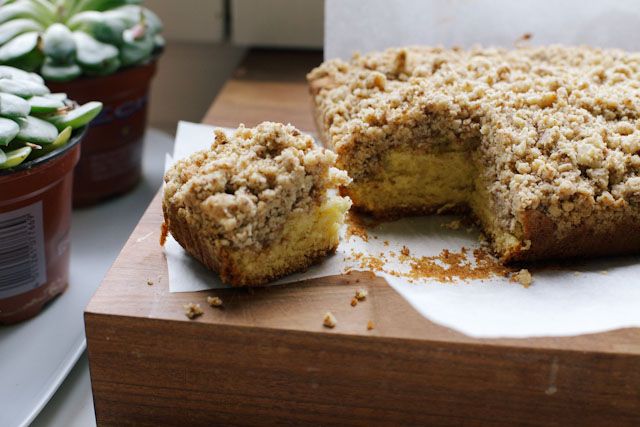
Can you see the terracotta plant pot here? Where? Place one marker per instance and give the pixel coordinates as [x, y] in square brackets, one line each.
[35, 219]
[111, 160]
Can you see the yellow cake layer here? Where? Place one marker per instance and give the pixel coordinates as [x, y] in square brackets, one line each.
[306, 237]
[416, 182]
[427, 182]
[504, 243]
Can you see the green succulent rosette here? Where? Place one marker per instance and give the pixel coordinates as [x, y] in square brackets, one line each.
[64, 39]
[34, 121]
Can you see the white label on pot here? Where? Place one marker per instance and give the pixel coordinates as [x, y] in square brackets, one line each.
[22, 256]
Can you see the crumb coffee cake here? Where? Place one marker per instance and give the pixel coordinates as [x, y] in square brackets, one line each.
[259, 204]
[541, 144]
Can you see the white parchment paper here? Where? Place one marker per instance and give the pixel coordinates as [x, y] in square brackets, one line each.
[606, 294]
[583, 297]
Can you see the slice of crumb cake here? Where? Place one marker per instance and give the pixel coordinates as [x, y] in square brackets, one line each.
[260, 204]
[541, 143]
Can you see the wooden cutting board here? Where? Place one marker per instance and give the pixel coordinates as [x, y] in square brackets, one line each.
[265, 358]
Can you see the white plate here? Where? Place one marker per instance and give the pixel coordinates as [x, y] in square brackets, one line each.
[36, 355]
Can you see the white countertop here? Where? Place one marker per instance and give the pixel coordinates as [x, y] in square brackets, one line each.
[110, 224]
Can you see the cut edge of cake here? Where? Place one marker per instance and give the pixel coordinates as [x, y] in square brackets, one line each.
[306, 239]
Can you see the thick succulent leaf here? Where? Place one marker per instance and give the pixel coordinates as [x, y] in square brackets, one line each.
[84, 21]
[15, 157]
[22, 52]
[13, 106]
[22, 88]
[43, 104]
[109, 29]
[59, 73]
[135, 51]
[35, 130]
[103, 5]
[19, 46]
[8, 131]
[45, 9]
[62, 138]
[108, 67]
[30, 62]
[59, 45]
[92, 54]
[22, 9]
[60, 141]
[77, 117]
[11, 29]
[3, 157]
[15, 73]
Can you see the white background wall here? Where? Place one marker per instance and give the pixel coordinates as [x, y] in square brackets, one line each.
[196, 62]
[204, 47]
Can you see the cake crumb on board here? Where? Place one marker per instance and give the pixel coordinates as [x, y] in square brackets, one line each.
[164, 231]
[523, 277]
[361, 294]
[192, 310]
[354, 301]
[370, 325]
[149, 282]
[214, 301]
[329, 320]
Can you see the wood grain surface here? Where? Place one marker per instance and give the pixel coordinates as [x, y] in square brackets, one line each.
[265, 358]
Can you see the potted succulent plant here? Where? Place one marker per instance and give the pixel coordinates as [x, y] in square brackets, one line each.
[91, 49]
[40, 133]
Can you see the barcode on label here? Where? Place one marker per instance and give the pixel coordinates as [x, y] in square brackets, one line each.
[22, 258]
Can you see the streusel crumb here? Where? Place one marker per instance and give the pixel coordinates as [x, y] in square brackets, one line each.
[329, 320]
[248, 183]
[370, 325]
[214, 301]
[192, 310]
[523, 277]
[361, 294]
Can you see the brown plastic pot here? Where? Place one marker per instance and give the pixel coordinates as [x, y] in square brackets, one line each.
[35, 219]
[111, 160]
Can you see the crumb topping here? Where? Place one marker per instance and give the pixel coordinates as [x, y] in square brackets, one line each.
[370, 325]
[446, 267]
[241, 191]
[361, 294]
[329, 320]
[523, 277]
[192, 310]
[554, 128]
[214, 301]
